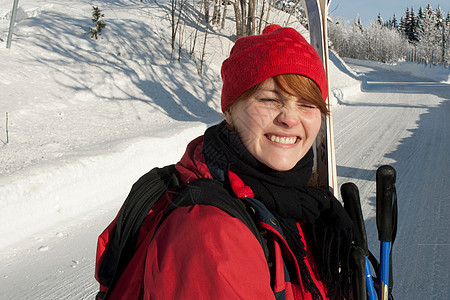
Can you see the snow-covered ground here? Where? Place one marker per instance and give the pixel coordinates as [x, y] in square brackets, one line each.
[87, 117]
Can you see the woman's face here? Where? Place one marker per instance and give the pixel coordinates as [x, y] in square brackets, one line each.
[277, 128]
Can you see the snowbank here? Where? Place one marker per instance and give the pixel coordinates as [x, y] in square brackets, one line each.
[50, 193]
[344, 82]
[429, 72]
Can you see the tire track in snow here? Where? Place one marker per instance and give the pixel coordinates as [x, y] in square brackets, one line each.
[412, 134]
[423, 246]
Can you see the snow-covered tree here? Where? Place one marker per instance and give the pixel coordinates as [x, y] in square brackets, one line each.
[446, 40]
[384, 44]
[427, 31]
[357, 26]
[375, 42]
[424, 37]
[358, 46]
[440, 35]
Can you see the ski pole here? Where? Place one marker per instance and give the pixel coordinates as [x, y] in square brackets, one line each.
[386, 209]
[362, 280]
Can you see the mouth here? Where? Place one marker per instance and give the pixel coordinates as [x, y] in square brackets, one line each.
[284, 140]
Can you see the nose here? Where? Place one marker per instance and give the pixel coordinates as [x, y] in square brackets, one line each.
[288, 117]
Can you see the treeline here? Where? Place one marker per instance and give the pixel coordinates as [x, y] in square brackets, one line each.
[423, 37]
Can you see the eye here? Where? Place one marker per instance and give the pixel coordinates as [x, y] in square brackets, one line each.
[306, 105]
[270, 101]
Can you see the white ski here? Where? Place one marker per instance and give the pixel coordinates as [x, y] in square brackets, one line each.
[324, 174]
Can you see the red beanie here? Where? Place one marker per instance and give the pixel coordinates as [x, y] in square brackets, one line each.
[279, 50]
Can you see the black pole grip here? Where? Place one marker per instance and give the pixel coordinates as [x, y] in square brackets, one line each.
[358, 264]
[359, 252]
[352, 204]
[386, 176]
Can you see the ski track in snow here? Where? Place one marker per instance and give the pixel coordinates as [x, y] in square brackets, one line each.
[62, 260]
[407, 119]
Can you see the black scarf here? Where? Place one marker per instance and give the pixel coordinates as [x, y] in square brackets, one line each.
[327, 227]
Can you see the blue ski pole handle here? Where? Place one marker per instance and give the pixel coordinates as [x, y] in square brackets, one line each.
[386, 223]
[384, 270]
[362, 280]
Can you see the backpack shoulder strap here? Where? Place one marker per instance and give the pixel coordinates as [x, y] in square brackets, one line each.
[142, 197]
[211, 192]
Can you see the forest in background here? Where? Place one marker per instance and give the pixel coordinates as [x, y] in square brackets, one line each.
[422, 38]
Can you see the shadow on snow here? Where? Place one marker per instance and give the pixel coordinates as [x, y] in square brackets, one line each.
[67, 37]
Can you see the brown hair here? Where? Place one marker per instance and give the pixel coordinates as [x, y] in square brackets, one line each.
[295, 85]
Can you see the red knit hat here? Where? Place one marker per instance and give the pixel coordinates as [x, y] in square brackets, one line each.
[279, 50]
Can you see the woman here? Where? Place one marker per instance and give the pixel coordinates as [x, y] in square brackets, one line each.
[274, 87]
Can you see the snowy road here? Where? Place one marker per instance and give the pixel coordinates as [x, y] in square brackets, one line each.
[55, 264]
[398, 120]
[405, 122]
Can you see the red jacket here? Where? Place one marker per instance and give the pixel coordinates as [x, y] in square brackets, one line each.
[201, 252]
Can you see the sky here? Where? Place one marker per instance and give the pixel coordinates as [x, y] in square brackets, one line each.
[368, 10]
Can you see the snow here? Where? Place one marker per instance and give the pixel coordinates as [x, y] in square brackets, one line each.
[87, 118]
[427, 72]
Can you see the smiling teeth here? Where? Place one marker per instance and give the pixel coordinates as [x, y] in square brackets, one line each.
[283, 140]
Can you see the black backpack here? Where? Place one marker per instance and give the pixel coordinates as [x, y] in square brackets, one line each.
[143, 196]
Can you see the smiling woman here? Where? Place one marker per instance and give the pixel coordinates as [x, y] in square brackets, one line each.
[276, 127]
[274, 86]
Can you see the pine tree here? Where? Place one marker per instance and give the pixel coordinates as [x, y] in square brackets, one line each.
[402, 25]
[405, 23]
[420, 13]
[394, 22]
[388, 23]
[380, 20]
[97, 19]
[411, 26]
